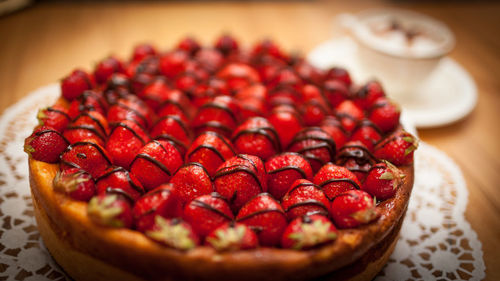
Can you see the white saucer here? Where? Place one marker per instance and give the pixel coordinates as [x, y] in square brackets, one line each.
[447, 96]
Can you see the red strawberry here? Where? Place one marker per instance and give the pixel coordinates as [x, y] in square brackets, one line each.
[191, 181]
[55, 117]
[155, 163]
[240, 178]
[286, 78]
[349, 114]
[142, 51]
[226, 44]
[88, 156]
[105, 68]
[176, 103]
[367, 133]
[187, 81]
[119, 178]
[160, 201]
[173, 233]
[383, 180]
[397, 148]
[207, 212]
[307, 232]
[125, 141]
[335, 180]
[74, 84]
[77, 183]
[367, 95]
[238, 75]
[111, 210]
[283, 170]
[353, 208]
[209, 59]
[220, 115]
[385, 114]
[131, 108]
[88, 126]
[211, 150]
[308, 73]
[251, 107]
[268, 47]
[45, 144]
[286, 121]
[172, 126]
[285, 94]
[316, 146]
[89, 100]
[256, 136]
[356, 158]
[155, 93]
[304, 198]
[313, 112]
[333, 127]
[189, 45]
[335, 92]
[338, 73]
[232, 236]
[264, 215]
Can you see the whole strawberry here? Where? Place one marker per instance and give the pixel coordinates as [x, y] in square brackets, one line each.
[110, 209]
[256, 136]
[143, 51]
[155, 93]
[161, 201]
[332, 126]
[286, 121]
[240, 178]
[173, 63]
[207, 212]
[88, 126]
[307, 232]
[211, 150]
[356, 158]
[335, 180]
[189, 45]
[367, 133]
[316, 146]
[385, 114]
[353, 208]
[238, 75]
[75, 83]
[77, 183]
[105, 68]
[366, 96]
[125, 141]
[191, 180]
[89, 100]
[397, 148]
[119, 178]
[335, 92]
[283, 170]
[349, 114]
[176, 103]
[172, 126]
[55, 117]
[264, 215]
[383, 180]
[226, 44]
[221, 115]
[131, 108]
[88, 156]
[173, 233]
[232, 236]
[340, 74]
[304, 198]
[156, 163]
[45, 144]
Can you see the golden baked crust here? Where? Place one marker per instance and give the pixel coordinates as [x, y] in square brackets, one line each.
[77, 243]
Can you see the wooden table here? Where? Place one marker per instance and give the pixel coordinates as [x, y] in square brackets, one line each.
[43, 43]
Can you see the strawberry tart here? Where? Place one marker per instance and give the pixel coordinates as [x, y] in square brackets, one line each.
[219, 163]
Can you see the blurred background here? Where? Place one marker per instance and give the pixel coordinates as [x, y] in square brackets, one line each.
[42, 41]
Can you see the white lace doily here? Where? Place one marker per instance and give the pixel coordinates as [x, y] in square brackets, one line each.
[436, 241]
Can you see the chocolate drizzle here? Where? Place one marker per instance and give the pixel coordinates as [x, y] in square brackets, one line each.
[272, 210]
[210, 147]
[368, 123]
[206, 206]
[195, 164]
[308, 202]
[235, 169]
[301, 185]
[121, 192]
[136, 112]
[87, 128]
[221, 107]
[46, 131]
[215, 125]
[127, 175]
[82, 143]
[50, 109]
[97, 121]
[177, 120]
[289, 167]
[264, 131]
[353, 183]
[127, 127]
[152, 160]
[360, 153]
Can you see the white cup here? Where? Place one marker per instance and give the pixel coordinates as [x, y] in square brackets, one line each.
[400, 48]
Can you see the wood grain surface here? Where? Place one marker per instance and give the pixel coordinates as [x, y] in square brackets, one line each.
[41, 44]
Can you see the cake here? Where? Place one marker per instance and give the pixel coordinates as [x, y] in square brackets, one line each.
[219, 163]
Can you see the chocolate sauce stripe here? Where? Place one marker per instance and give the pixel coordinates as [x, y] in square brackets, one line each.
[368, 123]
[222, 139]
[136, 112]
[88, 128]
[221, 107]
[127, 175]
[345, 115]
[158, 190]
[353, 183]
[87, 81]
[194, 164]
[127, 127]
[60, 112]
[260, 131]
[86, 94]
[377, 166]
[173, 140]
[289, 167]
[175, 103]
[306, 203]
[365, 150]
[213, 124]
[39, 133]
[316, 138]
[154, 161]
[261, 212]
[235, 169]
[86, 114]
[207, 146]
[318, 146]
[210, 208]
[119, 191]
[245, 157]
[81, 143]
[301, 185]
